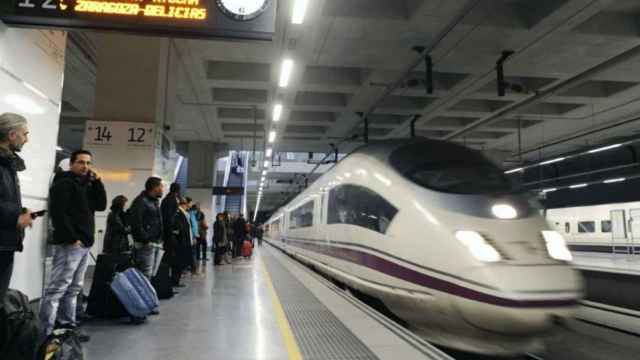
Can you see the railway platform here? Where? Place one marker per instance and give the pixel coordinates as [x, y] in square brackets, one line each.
[269, 307]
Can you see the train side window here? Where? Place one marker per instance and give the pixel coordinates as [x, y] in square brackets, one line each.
[302, 216]
[357, 205]
[567, 227]
[586, 227]
[605, 226]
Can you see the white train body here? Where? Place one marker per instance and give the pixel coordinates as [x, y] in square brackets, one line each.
[599, 228]
[409, 256]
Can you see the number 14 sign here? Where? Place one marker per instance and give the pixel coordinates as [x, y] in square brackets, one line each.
[105, 133]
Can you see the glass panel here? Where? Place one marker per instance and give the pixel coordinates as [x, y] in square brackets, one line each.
[587, 227]
[605, 226]
[461, 178]
[302, 216]
[359, 206]
[567, 227]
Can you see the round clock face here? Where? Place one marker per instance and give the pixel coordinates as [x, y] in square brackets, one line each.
[243, 9]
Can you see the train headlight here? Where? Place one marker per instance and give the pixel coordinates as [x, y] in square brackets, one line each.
[557, 246]
[504, 211]
[478, 246]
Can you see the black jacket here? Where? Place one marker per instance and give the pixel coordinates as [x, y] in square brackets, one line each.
[10, 202]
[115, 238]
[240, 228]
[220, 234]
[73, 201]
[169, 208]
[181, 241]
[145, 219]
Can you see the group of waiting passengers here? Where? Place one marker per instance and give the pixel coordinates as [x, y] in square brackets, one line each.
[174, 227]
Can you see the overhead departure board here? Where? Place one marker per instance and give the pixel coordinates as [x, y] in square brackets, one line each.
[177, 18]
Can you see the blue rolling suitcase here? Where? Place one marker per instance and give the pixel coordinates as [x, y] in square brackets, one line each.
[135, 292]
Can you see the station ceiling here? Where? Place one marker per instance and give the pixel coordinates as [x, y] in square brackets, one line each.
[573, 79]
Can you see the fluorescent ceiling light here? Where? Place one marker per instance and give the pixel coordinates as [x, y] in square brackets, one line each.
[277, 112]
[59, 148]
[552, 161]
[272, 136]
[285, 72]
[35, 90]
[266, 164]
[604, 148]
[264, 172]
[263, 179]
[611, 181]
[549, 190]
[299, 11]
[269, 152]
[514, 171]
[578, 186]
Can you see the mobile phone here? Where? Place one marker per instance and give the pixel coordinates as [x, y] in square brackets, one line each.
[37, 214]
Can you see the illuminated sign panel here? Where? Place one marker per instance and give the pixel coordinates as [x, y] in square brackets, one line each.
[179, 18]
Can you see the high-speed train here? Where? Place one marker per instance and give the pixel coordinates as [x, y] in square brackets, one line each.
[435, 231]
[599, 228]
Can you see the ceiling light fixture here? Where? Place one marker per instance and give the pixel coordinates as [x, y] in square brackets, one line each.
[272, 136]
[285, 74]
[277, 112]
[299, 11]
[611, 181]
[578, 186]
[269, 152]
[552, 161]
[605, 148]
[514, 171]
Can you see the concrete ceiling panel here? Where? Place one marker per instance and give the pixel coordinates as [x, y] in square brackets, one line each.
[233, 127]
[310, 98]
[550, 109]
[377, 9]
[528, 84]
[481, 106]
[312, 116]
[517, 14]
[240, 114]
[406, 103]
[333, 76]
[237, 71]
[451, 121]
[599, 89]
[387, 119]
[513, 124]
[239, 95]
[306, 129]
[612, 24]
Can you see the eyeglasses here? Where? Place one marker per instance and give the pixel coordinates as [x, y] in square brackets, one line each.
[82, 162]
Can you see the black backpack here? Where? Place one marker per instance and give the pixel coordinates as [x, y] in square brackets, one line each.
[63, 344]
[19, 328]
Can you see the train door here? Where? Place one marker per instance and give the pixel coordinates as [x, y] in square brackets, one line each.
[619, 240]
[634, 229]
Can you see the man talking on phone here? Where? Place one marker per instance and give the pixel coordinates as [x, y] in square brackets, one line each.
[74, 198]
[13, 218]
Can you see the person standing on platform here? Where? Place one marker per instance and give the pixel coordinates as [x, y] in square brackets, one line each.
[220, 238]
[259, 234]
[146, 225]
[13, 218]
[183, 239]
[228, 222]
[74, 198]
[201, 232]
[239, 230]
[116, 240]
[169, 208]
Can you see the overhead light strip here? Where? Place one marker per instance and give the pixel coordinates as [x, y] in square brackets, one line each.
[299, 11]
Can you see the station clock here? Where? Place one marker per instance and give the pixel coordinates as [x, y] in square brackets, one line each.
[243, 10]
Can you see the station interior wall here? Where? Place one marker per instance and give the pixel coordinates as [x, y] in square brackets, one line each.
[31, 80]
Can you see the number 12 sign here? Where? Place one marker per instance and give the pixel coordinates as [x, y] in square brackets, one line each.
[121, 134]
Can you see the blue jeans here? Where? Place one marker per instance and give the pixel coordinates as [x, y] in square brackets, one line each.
[148, 258]
[67, 279]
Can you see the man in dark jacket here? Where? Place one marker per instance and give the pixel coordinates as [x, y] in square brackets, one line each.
[169, 209]
[13, 219]
[240, 233]
[74, 198]
[146, 225]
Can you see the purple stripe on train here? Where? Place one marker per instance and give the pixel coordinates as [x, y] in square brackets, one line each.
[401, 272]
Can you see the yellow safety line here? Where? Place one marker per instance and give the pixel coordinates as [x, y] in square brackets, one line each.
[285, 328]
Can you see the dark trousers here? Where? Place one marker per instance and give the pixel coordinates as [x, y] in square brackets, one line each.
[6, 269]
[201, 249]
[237, 246]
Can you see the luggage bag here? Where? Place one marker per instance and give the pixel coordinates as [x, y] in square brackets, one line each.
[162, 282]
[102, 302]
[62, 344]
[247, 249]
[19, 329]
[135, 292]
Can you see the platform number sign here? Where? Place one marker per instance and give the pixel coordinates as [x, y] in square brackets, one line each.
[138, 135]
[46, 4]
[103, 134]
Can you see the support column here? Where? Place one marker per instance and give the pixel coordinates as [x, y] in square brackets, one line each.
[133, 84]
[203, 157]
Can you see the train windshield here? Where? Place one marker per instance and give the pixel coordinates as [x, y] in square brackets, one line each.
[450, 168]
[461, 178]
